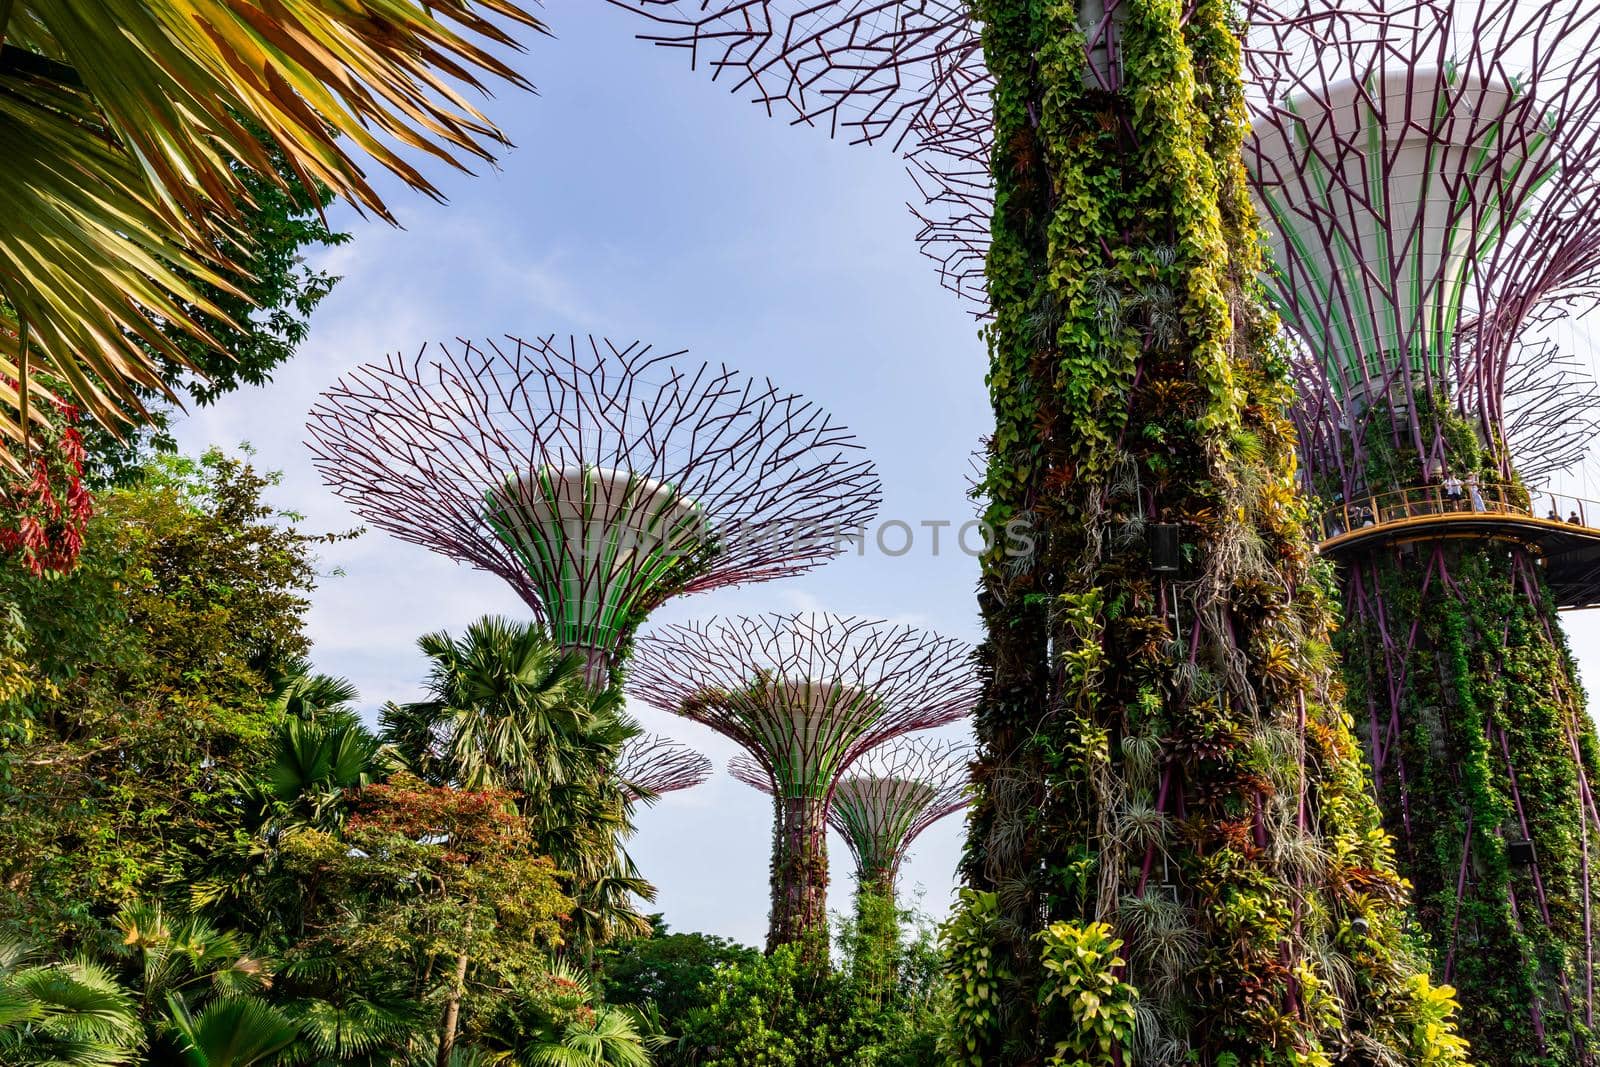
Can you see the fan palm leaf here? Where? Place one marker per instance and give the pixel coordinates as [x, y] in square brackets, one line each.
[359, 1026]
[186, 954]
[305, 694]
[67, 1013]
[313, 766]
[232, 1032]
[126, 127]
[610, 1038]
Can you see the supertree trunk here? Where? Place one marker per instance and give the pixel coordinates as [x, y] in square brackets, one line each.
[1483, 757]
[806, 696]
[877, 930]
[1159, 745]
[800, 875]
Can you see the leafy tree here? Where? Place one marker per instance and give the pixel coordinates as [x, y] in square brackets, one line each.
[673, 972]
[572, 1031]
[152, 663]
[786, 1010]
[508, 709]
[430, 895]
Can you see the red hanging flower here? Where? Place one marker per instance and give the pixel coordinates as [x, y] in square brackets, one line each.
[43, 512]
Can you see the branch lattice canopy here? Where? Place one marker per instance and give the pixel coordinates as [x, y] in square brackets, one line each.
[652, 765]
[805, 695]
[888, 798]
[597, 479]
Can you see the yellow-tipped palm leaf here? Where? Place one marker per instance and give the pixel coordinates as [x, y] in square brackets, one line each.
[121, 135]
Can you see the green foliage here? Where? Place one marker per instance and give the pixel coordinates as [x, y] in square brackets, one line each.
[1164, 753]
[259, 322]
[64, 1013]
[977, 974]
[509, 710]
[786, 1010]
[718, 1003]
[673, 972]
[1082, 967]
[177, 990]
[151, 663]
[421, 875]
[234, 1032]
[1431, 1014]
[1493, 718]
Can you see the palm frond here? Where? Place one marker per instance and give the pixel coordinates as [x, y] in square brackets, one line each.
[232, 1032]
[126, 129]
[77, 1013]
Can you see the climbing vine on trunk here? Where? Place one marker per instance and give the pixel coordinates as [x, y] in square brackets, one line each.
[1483, 756]
[1480, 746]
[1162, 752]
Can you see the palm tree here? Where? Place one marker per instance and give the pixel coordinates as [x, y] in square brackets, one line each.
[602, 1036]
[128, 130]
[503, 703]
[303, 693]
[79, 1013]
[314, 769]
[64, 1013]
[509, 710]
[609, 1037]
[233, 1032]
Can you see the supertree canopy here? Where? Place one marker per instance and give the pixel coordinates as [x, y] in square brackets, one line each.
[597, 479]
[1430, 186]
[652, 766]
[1164, 773]
[909, 75]
[804, 696]
[886, 800]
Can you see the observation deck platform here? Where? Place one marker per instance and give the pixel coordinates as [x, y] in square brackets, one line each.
[1566, 539]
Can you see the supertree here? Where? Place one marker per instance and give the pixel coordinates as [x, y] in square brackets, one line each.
[652, 766]
[598, 480]
[1163, 766]
[1430, 183]
[887, 799]
[804, 696]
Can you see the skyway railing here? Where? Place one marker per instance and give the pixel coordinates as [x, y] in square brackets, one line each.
[1434, 501]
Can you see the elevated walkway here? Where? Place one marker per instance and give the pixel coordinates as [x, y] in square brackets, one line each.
[1563, 531]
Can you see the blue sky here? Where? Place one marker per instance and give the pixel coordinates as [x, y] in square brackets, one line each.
[646, 202]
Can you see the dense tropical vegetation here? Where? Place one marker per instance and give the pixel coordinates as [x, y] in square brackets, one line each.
[209, 855]
[1162, 745]
[210, 859]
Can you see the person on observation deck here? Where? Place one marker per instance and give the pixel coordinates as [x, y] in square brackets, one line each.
[1452, 490]
[1476, 491]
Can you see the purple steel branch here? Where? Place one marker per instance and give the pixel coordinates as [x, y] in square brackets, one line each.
[1502, 101]
[804, 696]
[863, 682]
[440, 447]
[887, 799]
[907, 73]
[652, 766]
